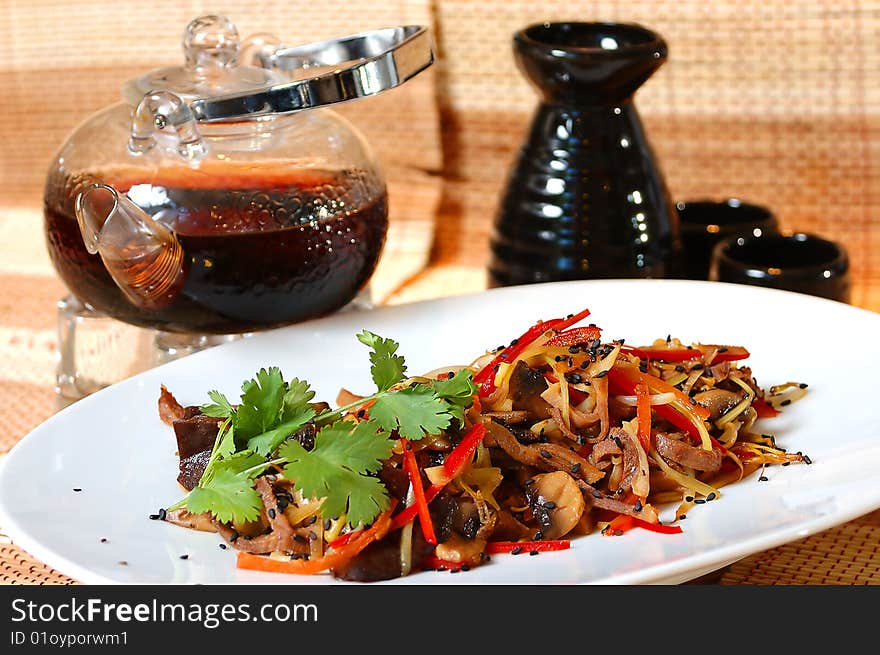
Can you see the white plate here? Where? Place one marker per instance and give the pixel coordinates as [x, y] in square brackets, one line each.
[113, 446]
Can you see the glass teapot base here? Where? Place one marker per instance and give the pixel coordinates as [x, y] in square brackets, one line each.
[96, 350]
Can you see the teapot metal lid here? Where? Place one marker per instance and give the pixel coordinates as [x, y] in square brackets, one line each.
[224, 78]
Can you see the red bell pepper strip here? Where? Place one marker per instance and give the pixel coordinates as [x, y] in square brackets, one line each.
[764, 409]
[628, 522]
[575, 336]
[485, 377]
[461, 455]
[456, 460]
[547, 545]
[415, 479]
[565, 323]
[678, 354]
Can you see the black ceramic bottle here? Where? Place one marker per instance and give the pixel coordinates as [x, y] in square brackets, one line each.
[586, 198]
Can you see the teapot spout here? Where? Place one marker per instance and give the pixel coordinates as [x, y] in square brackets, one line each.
[144, 257]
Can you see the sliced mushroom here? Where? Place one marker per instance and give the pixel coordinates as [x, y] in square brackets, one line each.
[461, 550]
[718, 401]
[558, 495]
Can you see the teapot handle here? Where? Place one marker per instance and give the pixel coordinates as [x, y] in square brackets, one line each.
[156, 111]
[379, 60]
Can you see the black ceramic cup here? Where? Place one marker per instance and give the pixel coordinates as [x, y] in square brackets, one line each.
[804, 263]
[703, 223]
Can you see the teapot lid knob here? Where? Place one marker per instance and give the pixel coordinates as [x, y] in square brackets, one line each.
[210, 41]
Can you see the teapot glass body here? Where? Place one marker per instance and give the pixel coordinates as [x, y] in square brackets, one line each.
[280, 218]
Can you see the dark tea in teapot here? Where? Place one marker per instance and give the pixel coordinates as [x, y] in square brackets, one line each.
[261, 246]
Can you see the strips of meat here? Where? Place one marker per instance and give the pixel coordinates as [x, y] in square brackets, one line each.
[169, 409]
[545, 456]
[282, 536]
[686, 455]
[597, 499]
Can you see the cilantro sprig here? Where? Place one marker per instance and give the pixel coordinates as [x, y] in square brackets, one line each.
[257, 434]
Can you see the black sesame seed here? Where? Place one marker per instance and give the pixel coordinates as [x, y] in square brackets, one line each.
[546, 454]
[574, 350]
[271, 513]
[711, 496]
[786, 402]
[103, 540]
[516, 551]
[575, 467]
[682, 517]
[514, 342]
[700, 501]
[77, 489]
[679, 368]
[327, 524]
[638, 506]
[465, 567]
[538, 536]
[222, 546]
[550, 504]
[601, 374]
[722, 350]
[597, 493]
[559, 358]
[763, 478]
[698, 367]
[803, 385]
[807, 459]
[311, 520]
[233, 537]
[122, 562]
[534, 552]
[154, 517]
[689, 499]
[298, 537]
[184, 557]
[312, 535]
[786, 463]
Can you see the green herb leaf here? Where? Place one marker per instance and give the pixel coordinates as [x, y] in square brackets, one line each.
[337, 469]
[267, 442]
[261, 403]
[414, 412]
[226, 447]
[229, 494]
[458, 391]
[388, 368]
[220, 408]
[296, 399]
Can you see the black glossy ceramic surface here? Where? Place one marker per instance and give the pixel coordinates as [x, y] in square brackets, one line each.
[804, 263]
[703, 223]
[586, 197]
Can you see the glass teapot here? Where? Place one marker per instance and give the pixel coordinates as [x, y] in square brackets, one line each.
[217, 197]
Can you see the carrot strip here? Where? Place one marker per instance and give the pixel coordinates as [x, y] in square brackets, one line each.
[421, 503]
[375, 532]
